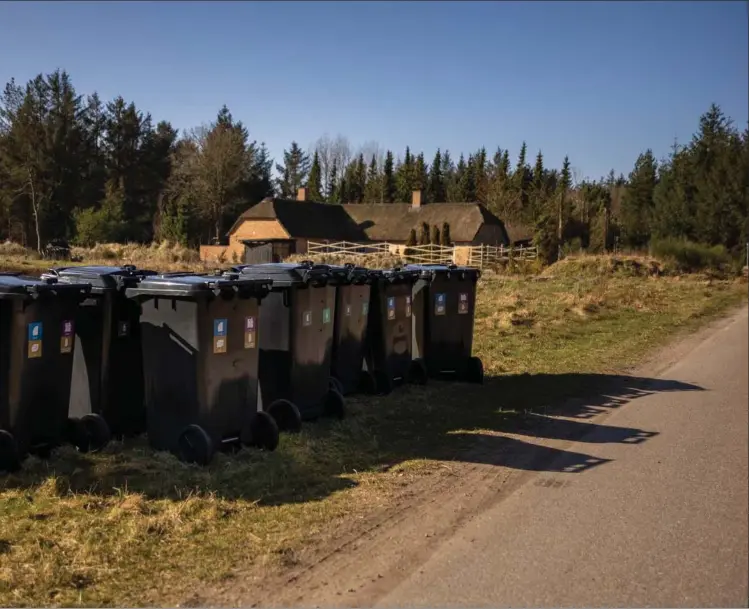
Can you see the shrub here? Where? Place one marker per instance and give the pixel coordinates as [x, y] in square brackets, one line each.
[688, 257]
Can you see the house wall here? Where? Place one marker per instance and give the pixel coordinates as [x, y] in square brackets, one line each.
[212, 253]
[490, 234]
[249, 229]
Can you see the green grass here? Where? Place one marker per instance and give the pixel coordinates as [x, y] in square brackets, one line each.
[132, 527]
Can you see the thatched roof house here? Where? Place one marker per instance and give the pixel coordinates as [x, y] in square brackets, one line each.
[470, 223]
[285, 225]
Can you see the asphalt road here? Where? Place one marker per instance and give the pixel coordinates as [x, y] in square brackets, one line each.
[660, 522]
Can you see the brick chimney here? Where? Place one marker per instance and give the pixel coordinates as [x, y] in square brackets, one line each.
[301, 194]
[416, 199]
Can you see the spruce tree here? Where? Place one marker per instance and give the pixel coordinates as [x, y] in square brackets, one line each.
[294, 171]
[404, 178]
[373, 189]
[468, 181]
[333, 194]
[637, 202]
[314, 183]
[388, 179]
[436, 182]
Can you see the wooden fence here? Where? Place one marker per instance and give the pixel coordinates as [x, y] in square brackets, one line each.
[480, 256]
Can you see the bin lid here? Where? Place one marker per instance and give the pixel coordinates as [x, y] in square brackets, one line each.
[286, 274]
[398, 275]
[193, 285]
[21, 286]
[102, 277]
[430, 271]
[346, 274]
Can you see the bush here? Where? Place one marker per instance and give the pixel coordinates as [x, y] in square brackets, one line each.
[688, 257]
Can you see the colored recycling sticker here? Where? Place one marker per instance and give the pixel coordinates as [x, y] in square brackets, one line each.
[67, 328]
[307, 318]
[35, 330]
[463, 304]
[219, 327]
[408, 306]
[326, 315]
[66, 344]
[391, 307]
[440, 301]
[348, 310]
[249, 332]
[219, 344]
[35, 348]
[365, 308]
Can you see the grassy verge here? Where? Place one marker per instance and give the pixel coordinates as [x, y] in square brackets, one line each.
[130, 527]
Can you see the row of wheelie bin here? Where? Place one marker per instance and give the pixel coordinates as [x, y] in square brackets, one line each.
[210, 362]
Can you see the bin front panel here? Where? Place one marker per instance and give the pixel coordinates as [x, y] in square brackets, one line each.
[390, 324]
[91, 322]
[448, 333]
[351, 316]
[39, 339]
[122, 379]
[274, 369]
[230, 332]
[313, 316]
[171, 368]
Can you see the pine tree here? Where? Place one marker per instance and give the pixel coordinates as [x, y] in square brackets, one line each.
[404, 177]
[455, 187]
[373, 189]
[388, 179]
[637, 202]
[314, 182]
[467, 184]
[294, 171]
[481, 176]
[333, 194]
[420, 178]
[436, 183]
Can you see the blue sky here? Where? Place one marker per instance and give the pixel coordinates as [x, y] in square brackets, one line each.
[600, 81]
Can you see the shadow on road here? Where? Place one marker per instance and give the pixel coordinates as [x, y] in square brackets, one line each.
[441, 421]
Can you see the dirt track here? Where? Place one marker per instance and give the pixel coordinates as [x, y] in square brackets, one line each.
[637, 497]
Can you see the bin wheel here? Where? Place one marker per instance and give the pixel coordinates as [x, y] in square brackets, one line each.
[383, 383]
[334, 383]
[417, 372]
[90, 433]
[335, 405]
[263, 432]
[367, 383]
[10, 460]
[194, 445]
[474, 371]
[286, 415]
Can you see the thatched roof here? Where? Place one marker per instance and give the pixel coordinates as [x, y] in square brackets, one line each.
[394, 221]
[517, 231]
[305, 219]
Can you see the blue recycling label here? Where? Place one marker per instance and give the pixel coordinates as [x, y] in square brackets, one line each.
[391, 302]
[439, 304]
[326, 315]
[35, 330]
[365, 308]
[219, 327]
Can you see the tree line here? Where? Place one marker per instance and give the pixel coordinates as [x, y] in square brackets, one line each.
[75, 168]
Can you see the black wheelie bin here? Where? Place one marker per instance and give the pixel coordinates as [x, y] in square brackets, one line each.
[37, 320]
[389, 332]
[353, 287]
[199, 338]
[444, 307]
[108, 360]
[296, 340]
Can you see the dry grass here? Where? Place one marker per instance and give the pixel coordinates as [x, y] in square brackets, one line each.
[371, 261]
[164, 256]
[132, 527]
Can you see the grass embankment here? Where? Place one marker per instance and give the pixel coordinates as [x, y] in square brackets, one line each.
[129, 527]
[163, 256]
